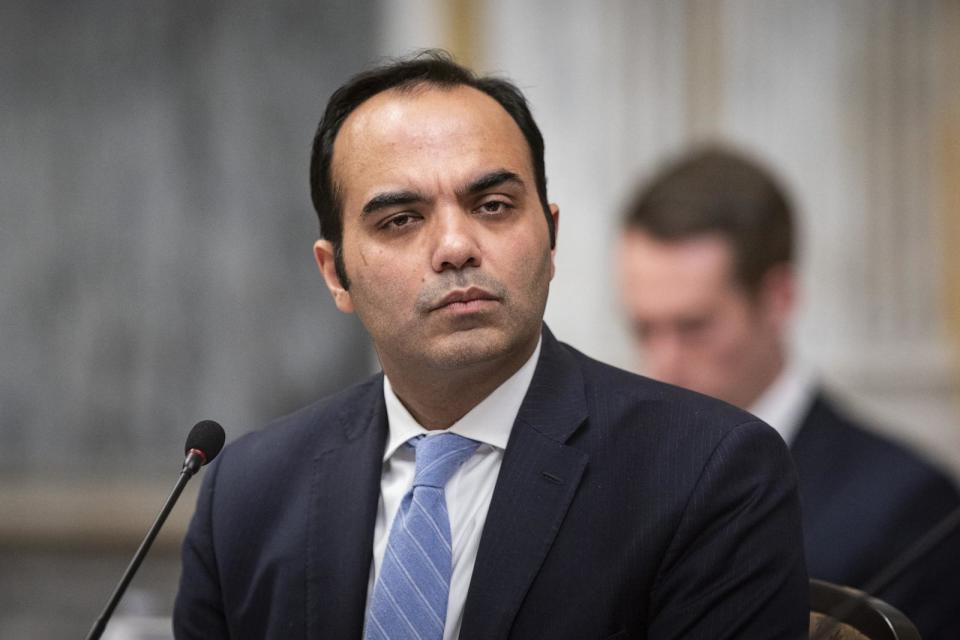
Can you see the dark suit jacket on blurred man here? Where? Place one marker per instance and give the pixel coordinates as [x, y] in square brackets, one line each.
[844, 468]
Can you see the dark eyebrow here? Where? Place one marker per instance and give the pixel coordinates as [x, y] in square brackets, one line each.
[481, 184]
[390, 199]
[491, 180]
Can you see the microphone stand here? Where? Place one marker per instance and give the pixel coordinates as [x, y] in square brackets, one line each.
[191, 465]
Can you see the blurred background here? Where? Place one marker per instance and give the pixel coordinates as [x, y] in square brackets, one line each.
[156, 227]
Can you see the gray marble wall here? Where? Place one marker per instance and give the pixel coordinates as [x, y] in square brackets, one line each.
[156, 230]
[155, 256]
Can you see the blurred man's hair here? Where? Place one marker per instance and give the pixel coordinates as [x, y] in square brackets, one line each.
[721, 192]
[432, 68]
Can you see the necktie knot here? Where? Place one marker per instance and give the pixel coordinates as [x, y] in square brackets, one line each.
[439, 456]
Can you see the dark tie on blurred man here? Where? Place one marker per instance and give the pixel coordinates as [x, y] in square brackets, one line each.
[708, 284]
[491, 482]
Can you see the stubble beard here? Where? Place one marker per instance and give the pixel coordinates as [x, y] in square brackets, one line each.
[512, 330]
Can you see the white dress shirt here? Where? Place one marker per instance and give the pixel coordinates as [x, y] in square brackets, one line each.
[785, 403]
[468, 491]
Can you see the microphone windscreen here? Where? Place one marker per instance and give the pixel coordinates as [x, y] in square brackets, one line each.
[206, 436]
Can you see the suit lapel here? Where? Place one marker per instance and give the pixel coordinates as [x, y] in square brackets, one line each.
[537, 482]
[345, 492]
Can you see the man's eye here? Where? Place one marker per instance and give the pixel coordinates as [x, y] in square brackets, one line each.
[493, 206]
[642, 330]
[398, 221]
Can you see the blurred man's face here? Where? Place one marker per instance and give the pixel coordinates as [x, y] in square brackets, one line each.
[695, 325]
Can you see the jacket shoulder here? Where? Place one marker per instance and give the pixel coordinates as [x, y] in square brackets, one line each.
[833, 443]
[667, 405]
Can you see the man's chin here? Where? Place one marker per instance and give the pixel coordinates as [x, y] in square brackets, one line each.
[476, 347]
[467, 348]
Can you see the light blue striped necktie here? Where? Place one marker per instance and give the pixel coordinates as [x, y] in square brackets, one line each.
[410, 596]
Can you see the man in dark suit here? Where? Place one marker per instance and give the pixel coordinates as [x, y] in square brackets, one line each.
[707, 279]
[578, 501]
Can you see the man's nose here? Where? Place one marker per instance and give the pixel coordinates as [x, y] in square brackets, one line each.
[456, 244]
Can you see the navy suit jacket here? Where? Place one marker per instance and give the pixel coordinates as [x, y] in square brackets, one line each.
[865, 500]
[624, 508]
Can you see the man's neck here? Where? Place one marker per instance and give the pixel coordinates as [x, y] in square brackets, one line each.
[438, 398]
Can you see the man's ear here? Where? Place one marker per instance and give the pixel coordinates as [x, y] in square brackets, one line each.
[323, 253]
[555, 214]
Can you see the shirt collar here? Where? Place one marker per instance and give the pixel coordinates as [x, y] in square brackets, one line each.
[490, 422]
[784, 403]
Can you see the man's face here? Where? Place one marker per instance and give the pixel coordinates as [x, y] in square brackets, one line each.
[444, 239]
[696, 326]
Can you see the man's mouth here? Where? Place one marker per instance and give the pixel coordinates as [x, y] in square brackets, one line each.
[471, 299]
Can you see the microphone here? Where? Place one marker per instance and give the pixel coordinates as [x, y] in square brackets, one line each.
[203, 444]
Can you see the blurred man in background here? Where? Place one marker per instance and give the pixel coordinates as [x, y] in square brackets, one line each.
[708, 282]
